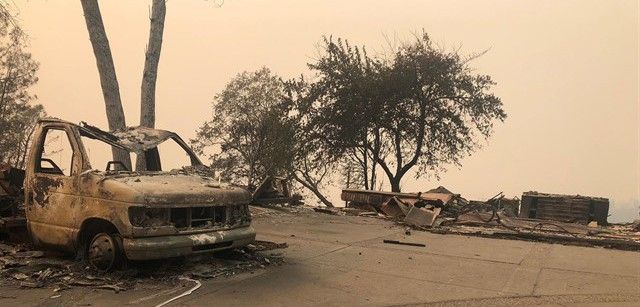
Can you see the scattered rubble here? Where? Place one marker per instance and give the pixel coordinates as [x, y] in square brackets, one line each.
[22, 266]
[576, 220]
[275, 190]
[374, 200]
[332, 211]
[499, 225]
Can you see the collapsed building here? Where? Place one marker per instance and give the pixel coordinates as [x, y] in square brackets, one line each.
[533, 205]
[419, 209]
[367, 199]
[538, 216]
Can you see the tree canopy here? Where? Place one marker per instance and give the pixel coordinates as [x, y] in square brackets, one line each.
[259, 128]
[422, 107]
[251, 126]
[419, 108]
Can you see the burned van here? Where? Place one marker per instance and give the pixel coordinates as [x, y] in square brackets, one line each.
[171, 206]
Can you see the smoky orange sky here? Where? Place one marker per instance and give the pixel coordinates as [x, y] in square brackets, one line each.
[567, 72]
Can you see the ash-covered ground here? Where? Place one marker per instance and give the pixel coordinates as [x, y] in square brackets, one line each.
[21, 265]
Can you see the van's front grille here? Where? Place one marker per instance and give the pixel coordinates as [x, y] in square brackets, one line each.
[210, 217]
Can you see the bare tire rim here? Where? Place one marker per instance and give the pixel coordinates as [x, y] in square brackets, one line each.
[102, 252]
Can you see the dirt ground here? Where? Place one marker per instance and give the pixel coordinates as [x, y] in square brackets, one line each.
[342, 260]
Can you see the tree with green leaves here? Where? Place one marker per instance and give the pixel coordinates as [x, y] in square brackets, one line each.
[344, 108]
[257, 130]
[421, 108]
[249, 132]
[18, 113]
[312, 165]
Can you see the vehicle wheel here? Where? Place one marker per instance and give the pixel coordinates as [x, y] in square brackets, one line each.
[105, 251]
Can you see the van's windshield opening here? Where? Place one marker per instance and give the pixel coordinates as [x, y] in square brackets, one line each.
[167, 156]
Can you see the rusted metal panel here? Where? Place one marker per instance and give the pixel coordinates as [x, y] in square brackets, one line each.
[564, 208]
[421, 216]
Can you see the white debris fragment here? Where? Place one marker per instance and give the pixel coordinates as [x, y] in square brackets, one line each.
[198, 285]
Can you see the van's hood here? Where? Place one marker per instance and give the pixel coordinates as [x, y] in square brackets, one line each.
[170, 189]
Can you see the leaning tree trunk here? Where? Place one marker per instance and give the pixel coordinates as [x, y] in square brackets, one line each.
[150, 73]
[107, 71]
[314, 189]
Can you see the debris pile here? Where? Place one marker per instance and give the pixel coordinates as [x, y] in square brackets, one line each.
[28, 268]
[11, 182]
[417, 209]
[12, 218]
[499, 225]
[575, 220]
[565, 208]
[273, 191]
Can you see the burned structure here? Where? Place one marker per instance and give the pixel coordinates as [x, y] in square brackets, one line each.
[275, 190]
[564, 208]
[541, 217]
[419, 209]
[376, 199]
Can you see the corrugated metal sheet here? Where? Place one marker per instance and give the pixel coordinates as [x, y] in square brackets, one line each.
[377, 198]
[565, 208]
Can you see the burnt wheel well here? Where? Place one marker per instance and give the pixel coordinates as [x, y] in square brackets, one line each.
[90, 228]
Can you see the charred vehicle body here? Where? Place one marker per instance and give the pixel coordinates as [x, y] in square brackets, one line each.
[118, 214]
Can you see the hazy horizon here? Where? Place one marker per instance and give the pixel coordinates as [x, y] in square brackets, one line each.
[567, 73]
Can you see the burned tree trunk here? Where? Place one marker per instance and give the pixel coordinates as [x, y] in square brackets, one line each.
[395, 184]
[106, 69]
[152, 58]
[314, 189]
[150, 73]
[307, 180]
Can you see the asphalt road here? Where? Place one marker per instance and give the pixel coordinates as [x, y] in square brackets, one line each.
[342, 261]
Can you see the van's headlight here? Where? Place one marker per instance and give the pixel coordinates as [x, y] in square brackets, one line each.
[149, 217]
